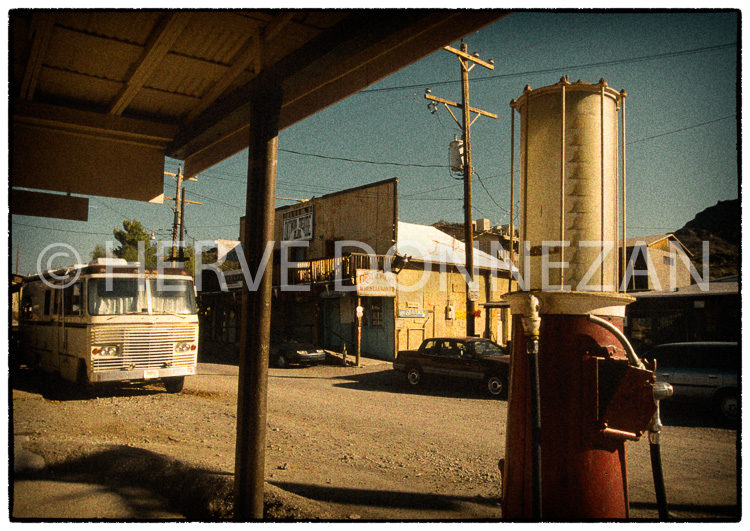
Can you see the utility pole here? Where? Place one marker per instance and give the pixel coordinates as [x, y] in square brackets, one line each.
[182, 228]
[467, 63]
[177, 211]
[178, 225]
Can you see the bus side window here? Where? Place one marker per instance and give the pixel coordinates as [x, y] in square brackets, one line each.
[56, 294]
[47, 301]
[73, 299]
[27, 306]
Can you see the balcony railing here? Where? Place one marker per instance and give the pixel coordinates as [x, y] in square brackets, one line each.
[328, 270]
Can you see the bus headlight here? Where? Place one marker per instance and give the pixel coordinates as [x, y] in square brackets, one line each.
[107, 350]
[182, 347]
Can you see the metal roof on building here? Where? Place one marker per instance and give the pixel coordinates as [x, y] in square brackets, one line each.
[422, 243]
[651, 241]
[428, 244]
[694, 290]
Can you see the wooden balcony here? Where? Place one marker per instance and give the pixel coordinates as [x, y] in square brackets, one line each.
[329, 270]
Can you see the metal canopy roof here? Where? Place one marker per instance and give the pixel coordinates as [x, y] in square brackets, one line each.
[98, 98]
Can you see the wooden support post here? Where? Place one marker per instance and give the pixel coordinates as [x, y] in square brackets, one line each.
[256, 305]
[359, 328]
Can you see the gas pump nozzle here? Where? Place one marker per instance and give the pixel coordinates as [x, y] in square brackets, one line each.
[661, 391]
[530, 318]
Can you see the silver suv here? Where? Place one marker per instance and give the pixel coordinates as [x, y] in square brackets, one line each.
[701, 370]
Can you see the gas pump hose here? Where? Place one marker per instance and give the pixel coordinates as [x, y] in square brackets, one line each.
[632, 357]
[659, 487]
[531, 324]
[661, 390]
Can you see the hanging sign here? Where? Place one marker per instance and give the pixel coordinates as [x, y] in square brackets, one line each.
[297, 224]
[371, 283]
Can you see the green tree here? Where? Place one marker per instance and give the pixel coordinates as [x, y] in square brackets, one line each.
[129, 238]
[188, 260]
[99, 252]
[211, 257]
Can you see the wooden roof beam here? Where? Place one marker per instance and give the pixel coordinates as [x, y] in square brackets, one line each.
[350, 56]
[157, 47]
[42, 24]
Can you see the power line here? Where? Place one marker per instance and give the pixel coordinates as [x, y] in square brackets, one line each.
[380, 163]
[682, 129]
[559, 68]
[432, 199]
[124, 216]
[421, 193]
[296, 186]
[489, 194]
[236, 224]
[60, 230]
[110, 207]
[507, 173]
[217, 200]
[215, 175]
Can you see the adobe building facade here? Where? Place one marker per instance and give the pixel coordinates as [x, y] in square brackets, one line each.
[348, 274]
[659, 263]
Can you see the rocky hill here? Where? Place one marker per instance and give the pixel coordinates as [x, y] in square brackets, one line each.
[720, 226]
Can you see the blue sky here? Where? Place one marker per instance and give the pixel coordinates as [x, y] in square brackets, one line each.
[680, 70]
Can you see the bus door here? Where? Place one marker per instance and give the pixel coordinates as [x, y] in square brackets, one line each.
[68, 309]
[56, 324]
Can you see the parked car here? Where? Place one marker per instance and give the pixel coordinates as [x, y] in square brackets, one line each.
[459, 357]
[706, 371]
[284, 354]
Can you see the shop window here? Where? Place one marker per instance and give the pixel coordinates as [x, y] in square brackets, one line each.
[232, 327]
[376, 312]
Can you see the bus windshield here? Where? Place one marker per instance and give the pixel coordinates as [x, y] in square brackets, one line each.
[172, 296]
[120, 296]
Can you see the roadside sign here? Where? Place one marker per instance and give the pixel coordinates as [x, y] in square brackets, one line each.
[474, 291]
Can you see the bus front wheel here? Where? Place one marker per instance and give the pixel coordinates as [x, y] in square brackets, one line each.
[174, 385]
[82, 380]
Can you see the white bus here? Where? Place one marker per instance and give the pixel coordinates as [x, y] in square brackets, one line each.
[111, 320]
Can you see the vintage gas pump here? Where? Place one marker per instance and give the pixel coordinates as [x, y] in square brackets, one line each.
[578, 392]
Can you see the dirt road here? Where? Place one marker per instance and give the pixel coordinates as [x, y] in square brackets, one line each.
[342, 443]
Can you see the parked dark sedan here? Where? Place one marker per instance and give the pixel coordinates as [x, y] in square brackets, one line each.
[706, 371]
[461, 357]
[284, 354]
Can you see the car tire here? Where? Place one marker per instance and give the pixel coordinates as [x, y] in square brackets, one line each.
[727, 406]
[414, 376]
[497, 385]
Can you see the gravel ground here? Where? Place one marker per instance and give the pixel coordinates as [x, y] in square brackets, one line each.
[342, 444]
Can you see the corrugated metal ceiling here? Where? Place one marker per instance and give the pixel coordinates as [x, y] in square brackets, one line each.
[177, 82]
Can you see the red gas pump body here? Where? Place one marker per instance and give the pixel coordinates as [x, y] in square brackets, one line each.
[586, 392]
